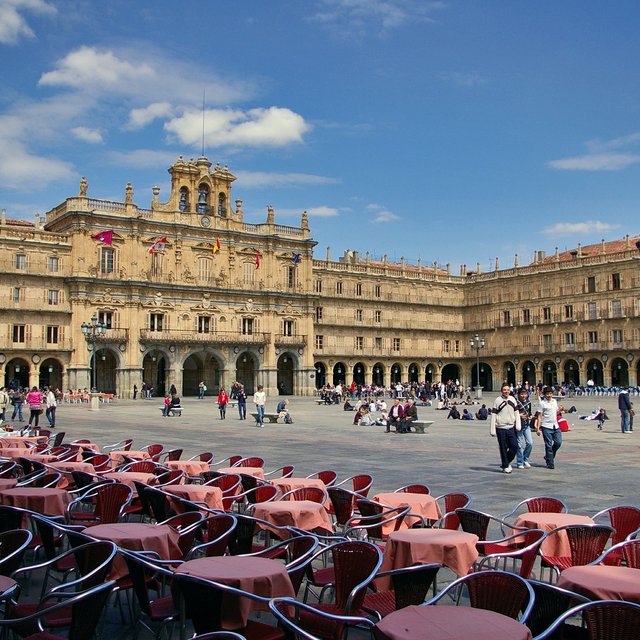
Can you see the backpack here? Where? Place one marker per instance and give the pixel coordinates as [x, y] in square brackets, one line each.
[288, 419]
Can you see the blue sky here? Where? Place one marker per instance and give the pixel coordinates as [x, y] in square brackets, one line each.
[450, 131]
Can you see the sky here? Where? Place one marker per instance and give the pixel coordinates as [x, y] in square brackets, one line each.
[448, 131]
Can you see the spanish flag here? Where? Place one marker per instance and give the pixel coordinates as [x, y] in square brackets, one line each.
[216, 246]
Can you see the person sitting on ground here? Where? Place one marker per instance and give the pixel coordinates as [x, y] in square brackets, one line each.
[483, 413]
[347, 406]
[454, 413]
[468, 400]
[362, 411]
[466, 415]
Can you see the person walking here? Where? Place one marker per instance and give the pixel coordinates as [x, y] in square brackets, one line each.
[547, 424]
[51, 406]
[223, 400]
[624, 404]
[202, 387]
[505, 423]
[260, 400]
[241, 396]
[525, 441]
[17, 400]
[34, 400]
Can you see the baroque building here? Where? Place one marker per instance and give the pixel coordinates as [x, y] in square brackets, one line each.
[187, 292]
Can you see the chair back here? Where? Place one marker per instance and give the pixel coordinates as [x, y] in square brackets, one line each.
[313, 494]
[414, 488]
[299, 555]
[261, 493]
[93, 560]
[227, 483]
[58, 438]
[12, 517]
[624, 519]
[241, 539]
[8, 469]
[375, 516]
[355, 565]
[544, 504]
[142, 573]
[111, 499]
[141, 466]
[158, 502]
[361, 484]
[13, 546]
[452, 502]
[550, 602]
[587, 542]
[47, 480]
[218, 531]
[174, 454]
[205, 456]
[328, 477]
[251, 461]
[631, 553]
[473, 521]
[343, 503]
[173, 476]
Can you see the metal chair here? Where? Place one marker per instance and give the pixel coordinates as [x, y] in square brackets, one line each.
[13, 545]
[448, 503]
[361, 483]
[373, 520]
[413, 488]
[217, 529]
[328, 477]
[497, 591]
[522, 548]
[627, 552]
[343, 504]
[285, 472]
[538, 504]
[314, 494]
[625, 520]
[110, 503]
[123, 445]
[251, 461]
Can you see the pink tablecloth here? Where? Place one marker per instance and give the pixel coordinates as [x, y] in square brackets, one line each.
[258, 472]
[14, 452]
[67, 468]
[135, 536]
[302, 514]
[289, 484]
[420, 504]
[264, 577]
[116, 456]
[128, 477]
[454, 549]
[212, 496]
[449, 623]
[21, 441]
[8, 483]
[601, 582]
[190, 467]
[49, 502]
[555, 545]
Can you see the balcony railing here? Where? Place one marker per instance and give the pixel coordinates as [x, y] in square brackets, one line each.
[38, 344]
[194, 337]
[294, 340]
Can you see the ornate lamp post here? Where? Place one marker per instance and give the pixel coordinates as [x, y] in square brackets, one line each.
[92, 331]
[477, 343]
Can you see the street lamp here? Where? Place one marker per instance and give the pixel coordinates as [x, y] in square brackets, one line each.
[477, 343]
[92, 331]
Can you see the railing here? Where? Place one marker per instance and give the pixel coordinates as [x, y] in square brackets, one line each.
[34, 303]
[194, 337]
[114, 335]
[295, 340]
[38, 343]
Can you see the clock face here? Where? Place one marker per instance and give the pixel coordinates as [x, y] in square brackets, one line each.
[205, 221]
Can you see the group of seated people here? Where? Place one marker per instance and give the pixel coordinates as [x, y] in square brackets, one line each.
[454, 413]
[374, 412]
[170, 403]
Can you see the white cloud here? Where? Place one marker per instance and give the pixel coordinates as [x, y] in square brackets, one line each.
[271, 127]
[260, 179]
[603, 155]
[92, 136]
[573, 228]
[382, 214]
[596, 162]
[139, 118]
[13, 25]
[362, 16]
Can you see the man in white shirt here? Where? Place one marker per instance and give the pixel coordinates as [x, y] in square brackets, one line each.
[51, 404]
[505, 423]
[260, 399]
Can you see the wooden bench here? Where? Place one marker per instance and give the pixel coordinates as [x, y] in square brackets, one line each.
[419, 426]
[271, 417]
[173, 411]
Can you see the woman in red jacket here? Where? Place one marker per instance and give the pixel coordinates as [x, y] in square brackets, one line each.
[223, 399]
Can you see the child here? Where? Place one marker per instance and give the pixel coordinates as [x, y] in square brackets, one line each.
[167, 404]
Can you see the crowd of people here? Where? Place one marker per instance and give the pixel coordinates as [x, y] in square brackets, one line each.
[16, 400]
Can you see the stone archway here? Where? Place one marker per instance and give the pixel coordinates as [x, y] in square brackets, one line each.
[286, 386]
[572, 372]
[529, 373]
[154, 372]
[51, 374]
[377, 374]
[450, 372]
[428, 373]
[414, 373]
[339, 371]
[595, 372]
[104, 368]
[321, 375]
[396, 373]
[193, 375]
[246, 368]
[358, 373]
[509, 373]
[486, 376]
[549, 373]
[619, 373]
[16, 374]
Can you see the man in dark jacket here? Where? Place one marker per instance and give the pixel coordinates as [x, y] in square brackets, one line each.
[410, 415]
[624, 404]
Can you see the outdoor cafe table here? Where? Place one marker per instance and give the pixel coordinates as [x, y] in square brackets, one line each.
[129, 477]
[453, 549]
[48, 502]
[212, 496]
[302, 514]
[556, 545]
[190, 467]
[422, 505]
[260, 576]
[20, 441]
[7, 588]
[117, 456]
[289, 484]
[449, 623]
[8, 483]
[14, 452]
[258, 472]
[67, 467]
[602, 582]
[136, 536]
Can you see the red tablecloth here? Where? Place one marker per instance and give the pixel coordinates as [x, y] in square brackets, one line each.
[420, 504]
[14, 452]
[116, 456]
[258, 472]
[135, 536]
[21, 441]
[449, 623]
[454, 549]
[302, 514]
[261, 576]
[289, 484]
[49, 502]
[8, 483]
[601, 582]
[128, 477]
[67, 468]
[196, 493]
[556, 545]
[190, 467]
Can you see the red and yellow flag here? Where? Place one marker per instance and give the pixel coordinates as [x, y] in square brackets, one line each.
[216, 246]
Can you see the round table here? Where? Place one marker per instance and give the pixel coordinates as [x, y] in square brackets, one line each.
[128, 477]
[21, 441]
[421, 504]
[261, 576]
[8, 483]
[136, 536]
[556, 545]
[190, 467]
[67, 467]
[453, 549]
[48, 502]
[117, 456]
[601, 582]
[258, 472]
[212, 496]
[289, 484]
[302, 514]
[448, 623]
[14, 452]
[7, 587]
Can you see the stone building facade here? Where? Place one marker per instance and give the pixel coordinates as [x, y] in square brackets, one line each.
[189, 292]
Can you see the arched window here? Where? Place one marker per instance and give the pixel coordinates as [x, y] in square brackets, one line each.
[222, 205]
[183, 205]
[203, 198]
